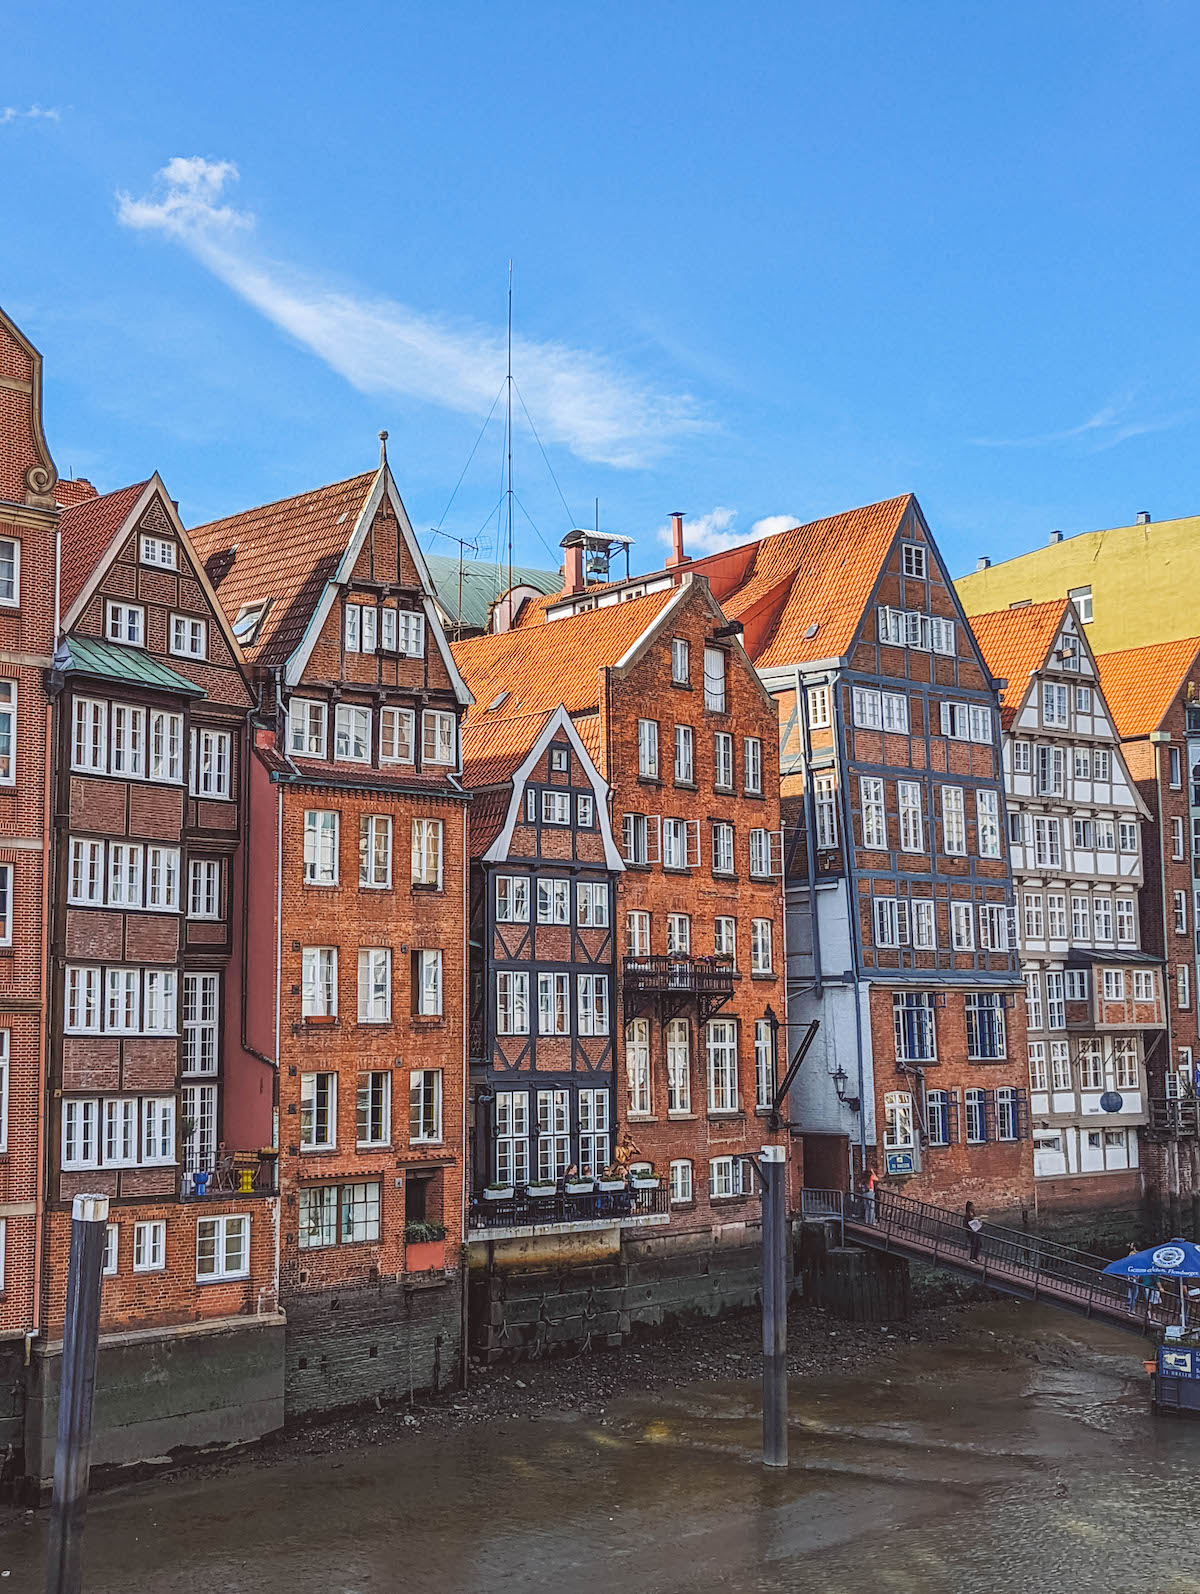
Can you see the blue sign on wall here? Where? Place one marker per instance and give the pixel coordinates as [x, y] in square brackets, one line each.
[900, 1162]
[1178, 1363]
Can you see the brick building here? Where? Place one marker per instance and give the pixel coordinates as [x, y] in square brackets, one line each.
[28, 527]
[663, 698]
[1153, 693]
[1094, 997]
[355, 923]
[899, 885]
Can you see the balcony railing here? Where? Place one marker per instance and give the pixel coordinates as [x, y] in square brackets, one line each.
[1174, 1116]
[525, 1211]
[660, 975]
[234, 1173]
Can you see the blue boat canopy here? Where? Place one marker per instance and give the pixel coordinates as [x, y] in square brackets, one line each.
[1173, 1259]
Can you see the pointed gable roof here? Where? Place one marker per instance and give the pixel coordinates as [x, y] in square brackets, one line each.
[801, 594]
[1016, 643]
[1140, 684]
[89, 529]
[285, 554]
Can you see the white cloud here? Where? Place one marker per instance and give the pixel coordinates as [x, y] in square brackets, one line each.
[577, 398]
[9, 113]
[719, 529]
[1105, 429]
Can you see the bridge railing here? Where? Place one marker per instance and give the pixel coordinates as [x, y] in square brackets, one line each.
[1015, 1253]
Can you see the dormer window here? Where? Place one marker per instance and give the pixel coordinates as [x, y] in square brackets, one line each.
[125, 623]
[558, 760]
[914, 560]
[158, 551]
[248, 621]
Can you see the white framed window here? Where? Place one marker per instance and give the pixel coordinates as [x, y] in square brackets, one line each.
[318, 982]
[1077, 985]
[128, 740]
[222, 1249]
[591, 904]
[426, 848]
[201, 994]
[1177, 850]
[956, 721]
[512, 1136]
[83, 1000]
[122, 1001]
[1101, 764]
[158, 551]
[1034, 1013]
[158, 1130]
[766, 849]
[637, 934]
[1034, 916]
[10, 572]
[512, 899]
[1091, 1066]
[159, 1008]
[512, 1002]
[1047, 842]
[1102, 917]
[714, 679]
[8, 733]
[1055, 705]
[679, 934]
[204, 888]
[427, 982]
[913, 560]
[1056, 915]
[112, 1246]
[1038, 1078]
[594, 1131]
[125, 623]
[681, 843]
[397, 732]
[1060, 1065]
[120, 1123]
[556, 808]
[437, 737]
[306, 727]
[166, 746]
[1127, 835]
[986, 1030]
[374, 1106]
[1127, 919]
[679, 1074]
[899, 1129]
[760, 946]
[867, 708]
[895, 712]
[721, 1047]
[1181, 912]
[592, 998]
[722, 847]
[90, 741]
[1183, 986]
[211, 760]
[685, 755]
[724, 1178]
[162, 878]
[954, 821]
[189, 636]
[913, 1021]
[874, 819]
[819, 708]
[374, 985]
[1056, 999]
[318, 1111]
[641, 836]
[360, 1212]
[321, 846]
[554, 1003]
[124, 874]
[962, 927]
[825, 808]
[975, 1099]
[387, 630]
[637, 1066]
[891, 921]
[585, 810]
[681, 664]
[318, 1212]
[149, 1247]
[85, 882]
[912, 826]
[681, 1182]
[725, 938]
[980, 723]
[80, 1133]
[752, 766]
[1082, 760]
[352, 635]
[412, 633]
[1022, 758]
[1081, 597]
[764, 1064]
[987, 811]
[352, 733]
[993, 927]
[553, 900]
[1114, 985]
[554, 1133]
[924, 923]
[648, 749]
[1143, 985]
[375, 851]
[248, 621]
[425, 1105]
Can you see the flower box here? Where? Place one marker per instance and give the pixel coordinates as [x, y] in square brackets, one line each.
[423, 1256]
[580, 1186]
[645, 1181]
[612, 1184]
[499, 1192]
[540, 1190]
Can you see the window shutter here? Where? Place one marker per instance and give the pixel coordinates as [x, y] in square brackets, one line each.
[653, 838]
[989, 1115]
[692, 843]
[945, 719]
[1022, 1113]
[775, 853]
[902, 922]
[952, 1130]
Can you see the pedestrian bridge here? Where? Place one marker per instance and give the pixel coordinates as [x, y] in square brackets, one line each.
[1010, 1260]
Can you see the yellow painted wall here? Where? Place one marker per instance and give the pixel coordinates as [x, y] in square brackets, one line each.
[1145, 582]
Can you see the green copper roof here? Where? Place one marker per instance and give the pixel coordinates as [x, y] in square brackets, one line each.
[113, 662]
[482, 583]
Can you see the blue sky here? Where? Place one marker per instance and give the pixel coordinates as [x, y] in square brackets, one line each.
[768, 260]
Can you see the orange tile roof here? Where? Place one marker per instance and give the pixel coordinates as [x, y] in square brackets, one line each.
[88, 527]
[541, 666]
[67, 491]
[286, 552]
[813, 578]
[1015, 642]
[1140, 684]
[493, 748]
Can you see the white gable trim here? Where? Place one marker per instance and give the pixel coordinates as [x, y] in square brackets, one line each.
[557, 720]
[298, 663]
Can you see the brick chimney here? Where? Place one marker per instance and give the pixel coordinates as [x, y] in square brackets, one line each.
[573, 569]
[677, 556]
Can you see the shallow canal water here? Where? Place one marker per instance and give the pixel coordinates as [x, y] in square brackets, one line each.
[973, 1468]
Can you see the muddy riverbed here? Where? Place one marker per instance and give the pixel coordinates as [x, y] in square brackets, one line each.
[974, 1451]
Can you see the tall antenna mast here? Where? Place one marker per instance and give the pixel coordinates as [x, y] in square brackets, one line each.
[508, 423]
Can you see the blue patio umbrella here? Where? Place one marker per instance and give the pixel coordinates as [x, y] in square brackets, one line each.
[1173, 1259]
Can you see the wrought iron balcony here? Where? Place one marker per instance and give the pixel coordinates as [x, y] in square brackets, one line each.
[1174, 1118]
[561, 1210]
[707, 981]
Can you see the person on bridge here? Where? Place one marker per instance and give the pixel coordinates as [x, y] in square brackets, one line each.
[872, 1181]
[973, 1226]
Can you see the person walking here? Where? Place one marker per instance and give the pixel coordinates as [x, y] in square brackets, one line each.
[973, 1226]
[1135, 1287]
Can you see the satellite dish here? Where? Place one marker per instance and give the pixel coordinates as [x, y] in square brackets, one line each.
[1111, 1101]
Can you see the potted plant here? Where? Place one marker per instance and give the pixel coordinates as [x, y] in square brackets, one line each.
[424, 1246]
[542, 1187]
[499, 1192]
[580, 1185]
[644, 1178]
[612, 1185]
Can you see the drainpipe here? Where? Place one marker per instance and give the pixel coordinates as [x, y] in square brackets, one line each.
[839, 731]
